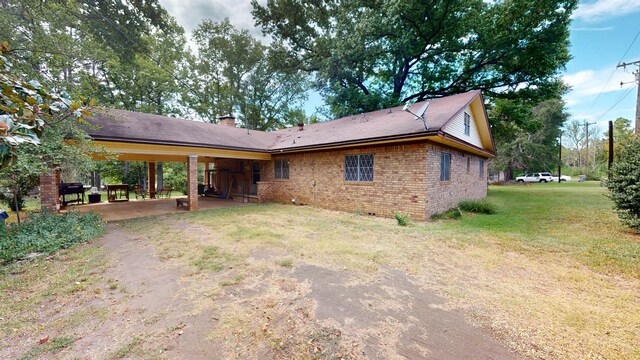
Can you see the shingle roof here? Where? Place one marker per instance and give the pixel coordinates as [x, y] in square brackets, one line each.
[129, 126]
[392, 122]
[120, 125]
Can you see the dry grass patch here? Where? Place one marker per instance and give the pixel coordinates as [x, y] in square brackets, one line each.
[49, 297]
[552, 284]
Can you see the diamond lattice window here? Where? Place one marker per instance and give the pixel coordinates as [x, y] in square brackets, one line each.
[358, 167]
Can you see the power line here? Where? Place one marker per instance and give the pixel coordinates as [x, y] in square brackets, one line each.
[629, 48]
[616, 104]
[614, 70]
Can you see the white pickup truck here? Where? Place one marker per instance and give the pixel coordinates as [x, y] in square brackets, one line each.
[536, 177]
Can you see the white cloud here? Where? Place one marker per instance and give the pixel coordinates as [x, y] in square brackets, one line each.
[605, 9]
[587, 84]
[605, 28]
[190, 13]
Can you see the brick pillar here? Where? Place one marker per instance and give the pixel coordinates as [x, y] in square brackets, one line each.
[49, 195]
[192, 182]
[152, 180]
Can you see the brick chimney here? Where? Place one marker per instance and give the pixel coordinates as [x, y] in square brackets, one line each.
[227, 120]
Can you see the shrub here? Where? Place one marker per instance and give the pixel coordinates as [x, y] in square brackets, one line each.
[453, 213]
[402, 219]
[624, 184]
[478, 206]
[46, 233]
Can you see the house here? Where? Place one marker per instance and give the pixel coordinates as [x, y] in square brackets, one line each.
[376, 163]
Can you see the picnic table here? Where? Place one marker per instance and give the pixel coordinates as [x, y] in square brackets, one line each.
[118, 192]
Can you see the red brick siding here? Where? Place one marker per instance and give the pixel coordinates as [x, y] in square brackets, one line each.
[192, 184]
[317, 178]
[406, 179]
[463, 185]
[49, 191]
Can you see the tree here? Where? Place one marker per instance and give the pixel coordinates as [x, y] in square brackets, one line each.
[234, 74]
[27, 109]
[624, 184]
[622, 134]
[576, 136]
[526, 134]
[368, 55]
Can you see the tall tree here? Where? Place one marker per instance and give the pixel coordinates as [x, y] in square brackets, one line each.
[622, 134]
[370, 54]
[235, 74]
[527, 133]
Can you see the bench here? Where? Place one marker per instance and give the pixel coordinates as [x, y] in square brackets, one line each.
[182, 202]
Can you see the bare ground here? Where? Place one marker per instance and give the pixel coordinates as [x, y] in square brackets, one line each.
[159, 306]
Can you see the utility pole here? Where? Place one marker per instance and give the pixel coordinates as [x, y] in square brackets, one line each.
[636, 73]
[610, 144]
[586, 129]
[560, 160]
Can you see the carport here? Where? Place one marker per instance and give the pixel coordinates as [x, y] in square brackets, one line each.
[125, 135]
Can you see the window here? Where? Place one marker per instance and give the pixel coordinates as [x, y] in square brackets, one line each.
[281, 169]
[481, 168]
[467, 124]
[468, 165]
[358, 167]
[445, 166]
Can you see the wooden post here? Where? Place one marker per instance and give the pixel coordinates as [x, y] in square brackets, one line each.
[192, 182]
[610, 144]
[207, 182]
[560, 161]
[152, 180]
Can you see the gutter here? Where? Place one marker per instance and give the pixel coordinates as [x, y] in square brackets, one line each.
[171, 143]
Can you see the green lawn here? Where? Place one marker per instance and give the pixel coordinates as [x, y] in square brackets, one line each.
[572, 219]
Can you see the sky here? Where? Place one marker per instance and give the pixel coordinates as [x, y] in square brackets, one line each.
[602, 35]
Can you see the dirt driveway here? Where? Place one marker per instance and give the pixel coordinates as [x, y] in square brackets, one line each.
[160, 307]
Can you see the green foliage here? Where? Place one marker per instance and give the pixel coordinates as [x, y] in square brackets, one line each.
[26, 109]
[483, 206]
[622, 134]
[624, 184]
[402, 219]
[234, 73]
[46, 233]
[526, 133]
[451, 214]
[175, 175]
[368, 55]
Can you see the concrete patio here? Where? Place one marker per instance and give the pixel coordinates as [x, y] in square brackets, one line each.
[149, 207]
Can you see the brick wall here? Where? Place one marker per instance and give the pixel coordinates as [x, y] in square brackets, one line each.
[49, 191]
[192, 183]
[406, 179]
[317, 178]
[463, 184]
